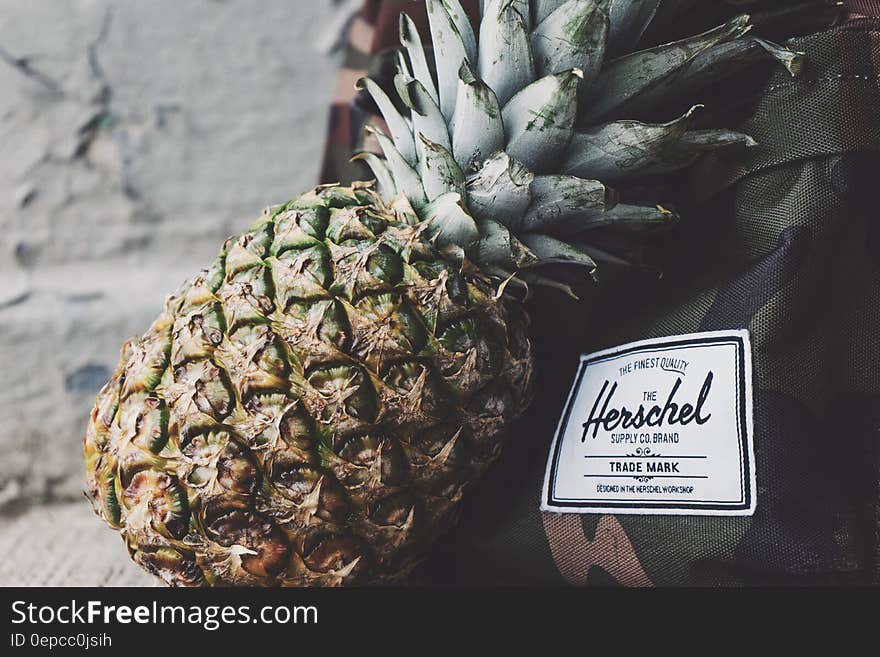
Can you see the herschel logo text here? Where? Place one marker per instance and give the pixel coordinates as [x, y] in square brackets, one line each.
[671, 413]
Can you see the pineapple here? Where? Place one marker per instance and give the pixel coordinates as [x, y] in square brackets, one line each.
[311, 408]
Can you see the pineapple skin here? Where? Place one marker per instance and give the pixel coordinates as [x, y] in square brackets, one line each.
[309, 410]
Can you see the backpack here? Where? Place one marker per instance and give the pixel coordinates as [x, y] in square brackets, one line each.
[784, 243]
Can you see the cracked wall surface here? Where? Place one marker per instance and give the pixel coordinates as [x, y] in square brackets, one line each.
[134, 137]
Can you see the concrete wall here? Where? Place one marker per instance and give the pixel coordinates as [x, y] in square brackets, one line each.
[134, 137]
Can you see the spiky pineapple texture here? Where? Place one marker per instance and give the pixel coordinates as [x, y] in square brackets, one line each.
[311, 408]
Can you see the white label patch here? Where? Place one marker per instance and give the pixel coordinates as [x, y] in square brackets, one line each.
[658, 427]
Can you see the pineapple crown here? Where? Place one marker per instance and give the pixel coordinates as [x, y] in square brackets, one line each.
[505, 153]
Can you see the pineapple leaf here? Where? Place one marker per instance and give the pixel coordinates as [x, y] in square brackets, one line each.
[550, 251]
[406, 179]
[791, 59]
[506, 136]
[573, 36]
[426, 116]
[477, 130]
[401, 132]
[543, 8]
[693, 144]
[505, 62]
[523, 7]
[605, 258]
[379, 167]
[412, 43]
[560, 201]
[624, 149]
[508, 280]
[403, 210]
[463, 25]
[706, 140]
[403, 65]
[531, 277]
[449, 53]
[497, 246]
[640, 76]
[633, 217]
[709, 66]
[440, 173]
[539, 120]
[500, 190]
[448, 223]
[629, 20]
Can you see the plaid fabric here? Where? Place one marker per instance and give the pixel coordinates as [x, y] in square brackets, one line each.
[785, 243]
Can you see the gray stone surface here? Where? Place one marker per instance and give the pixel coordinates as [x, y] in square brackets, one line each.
[134, 137]
[65, 545]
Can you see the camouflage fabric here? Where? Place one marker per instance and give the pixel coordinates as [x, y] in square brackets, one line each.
[786, 244]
